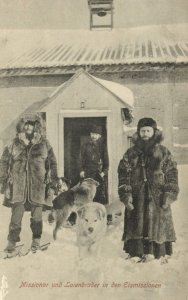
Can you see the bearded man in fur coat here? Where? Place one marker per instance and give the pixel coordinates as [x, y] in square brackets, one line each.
[148, 185]
[26, 164]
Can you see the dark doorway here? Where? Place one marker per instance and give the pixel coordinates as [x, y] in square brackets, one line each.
[77, 132]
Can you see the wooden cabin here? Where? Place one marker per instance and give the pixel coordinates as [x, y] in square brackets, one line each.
[70, 112]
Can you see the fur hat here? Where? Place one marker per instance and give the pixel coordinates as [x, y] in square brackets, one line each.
[96, 129]
[146, 122]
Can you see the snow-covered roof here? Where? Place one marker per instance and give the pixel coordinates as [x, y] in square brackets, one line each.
[119, 90]
[21, 50]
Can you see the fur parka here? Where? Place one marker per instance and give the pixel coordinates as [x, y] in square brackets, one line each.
[148, 176]
[30, 165]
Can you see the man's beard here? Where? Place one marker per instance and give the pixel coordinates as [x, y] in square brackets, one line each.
[146, 141]
[147, 145]
[29, 136]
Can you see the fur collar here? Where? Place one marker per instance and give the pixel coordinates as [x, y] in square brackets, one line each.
[157, 138]
[151, 148]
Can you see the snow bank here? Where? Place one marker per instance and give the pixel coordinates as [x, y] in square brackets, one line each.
[59, 274]
[181, 145]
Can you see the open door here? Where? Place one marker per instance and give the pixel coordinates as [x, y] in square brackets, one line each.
[77, 132]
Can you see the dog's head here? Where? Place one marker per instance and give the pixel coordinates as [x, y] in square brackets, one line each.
[91, 217]
[85, 191]
[63, 184]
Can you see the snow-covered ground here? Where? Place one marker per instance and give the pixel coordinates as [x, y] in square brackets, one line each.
[60, 264]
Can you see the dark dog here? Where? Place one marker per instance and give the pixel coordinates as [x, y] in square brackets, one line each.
[62, 185]
[68, 201]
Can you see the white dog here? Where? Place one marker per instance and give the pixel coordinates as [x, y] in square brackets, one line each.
[91, 228]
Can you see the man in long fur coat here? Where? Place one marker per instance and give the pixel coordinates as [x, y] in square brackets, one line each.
[148, 184]
[26, 164]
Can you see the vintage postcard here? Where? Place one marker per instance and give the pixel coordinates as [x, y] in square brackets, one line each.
[93, 149]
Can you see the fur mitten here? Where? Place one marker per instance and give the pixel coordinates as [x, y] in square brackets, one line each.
[49, 196]
[168, 199]
[129, 204]
[125, 196]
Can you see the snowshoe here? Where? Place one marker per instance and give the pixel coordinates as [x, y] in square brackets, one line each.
[20, 251]
[34, 249]
[40, 248]
[10, 253]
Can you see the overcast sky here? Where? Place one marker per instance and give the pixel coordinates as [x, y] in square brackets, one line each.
[74, 14]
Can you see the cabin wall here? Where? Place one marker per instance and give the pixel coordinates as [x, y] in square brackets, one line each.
[98, 102]
[160, 93]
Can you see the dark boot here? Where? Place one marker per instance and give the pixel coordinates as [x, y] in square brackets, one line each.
[35, 245]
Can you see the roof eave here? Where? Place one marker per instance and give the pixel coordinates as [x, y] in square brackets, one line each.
[102, 68]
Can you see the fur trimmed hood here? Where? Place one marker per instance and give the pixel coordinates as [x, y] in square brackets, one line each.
[39, 126]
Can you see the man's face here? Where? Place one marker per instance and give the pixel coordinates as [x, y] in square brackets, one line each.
[95, 136]
[146, 133]
[28, 128]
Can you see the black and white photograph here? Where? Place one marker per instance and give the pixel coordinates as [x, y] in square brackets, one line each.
[93, 149]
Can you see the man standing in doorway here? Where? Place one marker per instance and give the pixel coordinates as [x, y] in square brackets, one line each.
[95, 163]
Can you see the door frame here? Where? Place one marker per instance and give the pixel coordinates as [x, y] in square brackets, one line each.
[80, 113]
